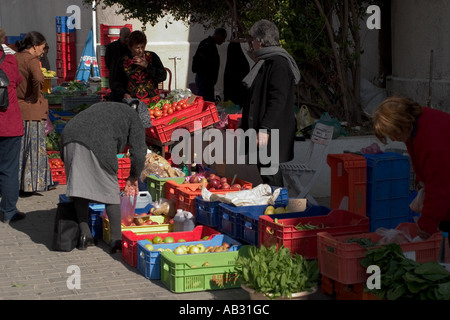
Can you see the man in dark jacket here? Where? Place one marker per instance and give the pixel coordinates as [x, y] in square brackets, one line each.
[270, 107]
[114, 53]
[206, 64]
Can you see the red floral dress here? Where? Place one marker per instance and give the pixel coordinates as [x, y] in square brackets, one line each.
[140, 83]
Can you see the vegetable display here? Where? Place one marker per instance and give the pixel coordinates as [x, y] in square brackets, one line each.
[277, 273]
[405, 279]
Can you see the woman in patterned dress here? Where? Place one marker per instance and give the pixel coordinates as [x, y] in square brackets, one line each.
[34, 172]
[143, 69]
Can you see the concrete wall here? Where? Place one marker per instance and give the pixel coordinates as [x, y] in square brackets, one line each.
[419, 26]
[22, 16]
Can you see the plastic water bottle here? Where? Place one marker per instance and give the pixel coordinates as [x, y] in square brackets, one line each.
[444, 251]
[183, 221]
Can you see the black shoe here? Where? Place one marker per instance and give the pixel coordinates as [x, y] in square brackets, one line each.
[115, 245]
[53, 186]
[85, 241]
[18, 216]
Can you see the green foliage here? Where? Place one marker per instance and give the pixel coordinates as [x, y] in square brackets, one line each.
[277, 273]
[321, 35]
[405, 279]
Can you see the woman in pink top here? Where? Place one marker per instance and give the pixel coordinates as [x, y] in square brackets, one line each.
[11, 132]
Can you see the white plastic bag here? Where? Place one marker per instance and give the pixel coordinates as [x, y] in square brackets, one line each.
[417, 204]
[259, 195]
[304, 118]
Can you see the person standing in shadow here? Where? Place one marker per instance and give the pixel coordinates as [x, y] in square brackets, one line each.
[206, 64]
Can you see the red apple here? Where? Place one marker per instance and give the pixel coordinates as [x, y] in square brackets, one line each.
[236, 186]
[223, 180]
[226, 186]
[214, 183]
[211, 176]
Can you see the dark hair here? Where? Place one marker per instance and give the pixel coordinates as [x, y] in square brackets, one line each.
[137, 37]
[32, 38]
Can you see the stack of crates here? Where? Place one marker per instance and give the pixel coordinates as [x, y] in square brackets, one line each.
[388, 176]
[108, 34]
[348, 182]
[66, 64]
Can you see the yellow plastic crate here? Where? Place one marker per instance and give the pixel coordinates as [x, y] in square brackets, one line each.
[157, 228]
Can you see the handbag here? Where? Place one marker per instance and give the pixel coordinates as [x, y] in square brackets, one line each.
[66, 232]
[4, 83]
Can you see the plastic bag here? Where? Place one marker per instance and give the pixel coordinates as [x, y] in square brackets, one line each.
[395, 236]
[260, 195]
[127, 208]
[325, 118]
[304, 118]
[164, 207]
[417, 204]
[48, 126]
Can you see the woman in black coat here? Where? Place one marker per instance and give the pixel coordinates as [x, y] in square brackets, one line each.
[270, 106]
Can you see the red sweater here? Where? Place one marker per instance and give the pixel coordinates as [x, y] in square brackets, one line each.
[11, 124]
[429, 150]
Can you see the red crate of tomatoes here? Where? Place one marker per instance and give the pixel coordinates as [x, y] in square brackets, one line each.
[58, 170]
[192, 122]
[165, 110]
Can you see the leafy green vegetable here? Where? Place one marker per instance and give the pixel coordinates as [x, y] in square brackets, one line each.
[276, 273]
[403, 278]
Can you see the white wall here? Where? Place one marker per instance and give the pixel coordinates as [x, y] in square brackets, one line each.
[419, 26]
[22, 16]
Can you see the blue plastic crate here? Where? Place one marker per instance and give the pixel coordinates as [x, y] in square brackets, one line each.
[411, 214]
[207, 212]
[61, 25]
[149, 262]
[95, 219]
[242, 222]
[388, 184]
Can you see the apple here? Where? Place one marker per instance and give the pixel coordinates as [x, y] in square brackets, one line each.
[211, 176]
[194, 249]
[214, 183]
[179, 250]
[169, 240]
[236, 186]
[226, 185]
[149, 247]
[201, 248]
[195, 179]
[157, 239]
[223, 180]
[181, 240]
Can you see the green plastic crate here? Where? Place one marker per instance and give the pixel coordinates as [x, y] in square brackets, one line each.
[187, 273]
[157, 186]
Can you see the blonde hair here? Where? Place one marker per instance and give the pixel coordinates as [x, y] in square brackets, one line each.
[2, 36]
[394, 118]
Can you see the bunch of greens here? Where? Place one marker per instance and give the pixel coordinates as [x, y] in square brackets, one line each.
[405, 279]
[276, 273]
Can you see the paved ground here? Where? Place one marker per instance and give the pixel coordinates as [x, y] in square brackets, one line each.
[30, 270]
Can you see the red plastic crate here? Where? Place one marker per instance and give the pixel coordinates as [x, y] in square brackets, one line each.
[233, 121]
[130, 239]
[109, 33]
[207, 117]
[124, 168]
[341, 261]
[64, 37]
[304, 242]
[58, 174]
[348, 182]
[186, 193]
[195, 109]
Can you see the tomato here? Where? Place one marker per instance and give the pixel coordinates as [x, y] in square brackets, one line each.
[152, 112]
[179, 107]
[166, 106]
[170, 110]
[158, 113]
